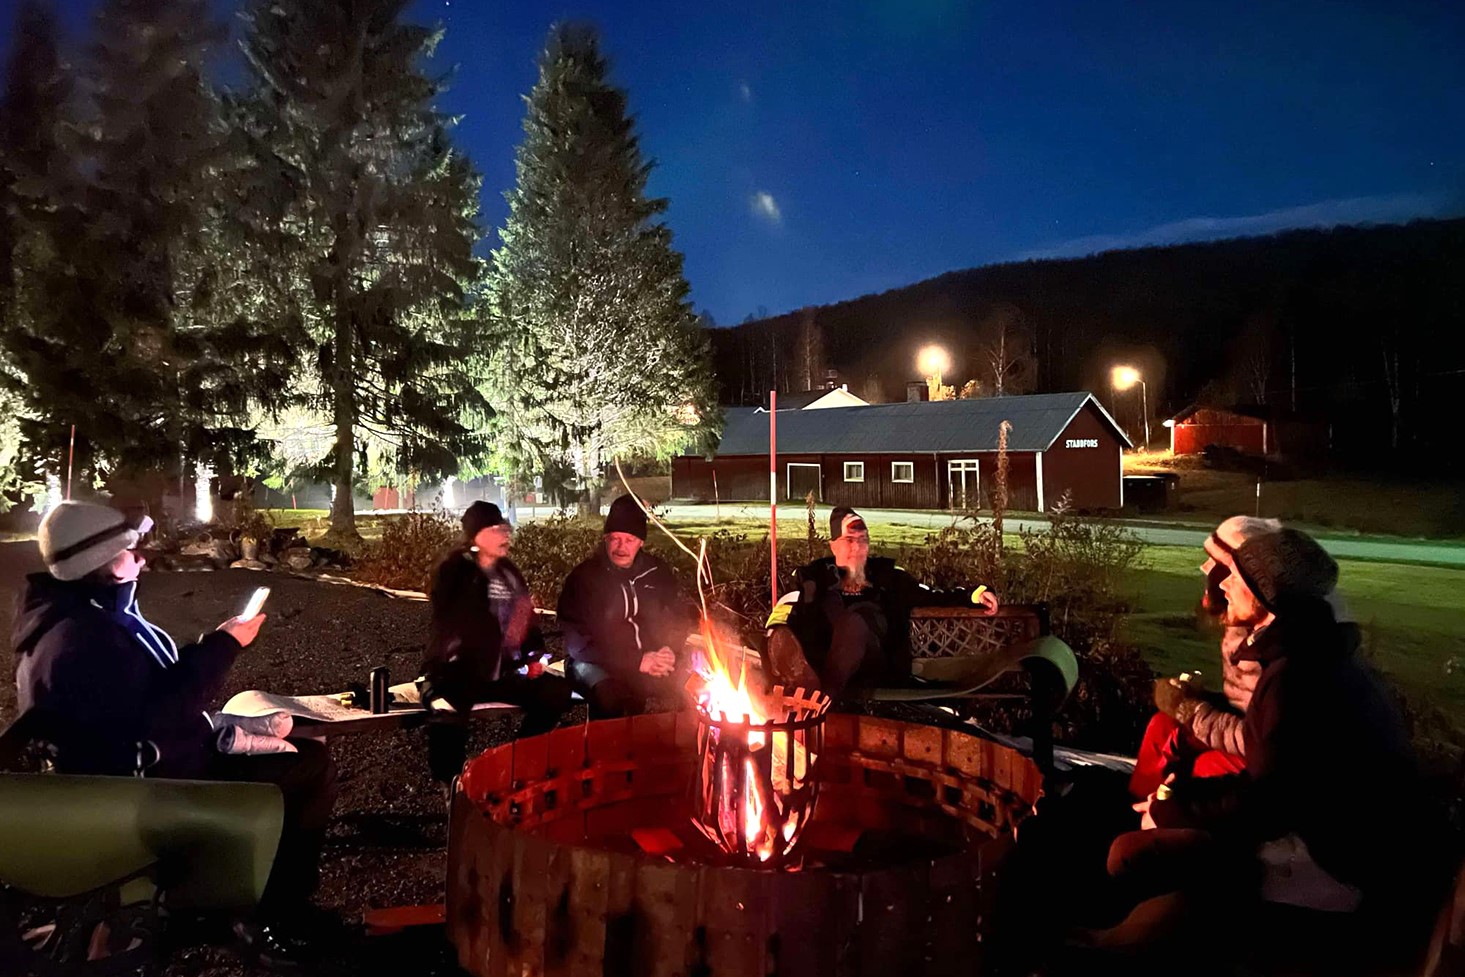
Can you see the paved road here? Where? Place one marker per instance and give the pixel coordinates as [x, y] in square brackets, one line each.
[1364, 548]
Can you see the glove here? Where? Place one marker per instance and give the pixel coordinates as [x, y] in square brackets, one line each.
[1173, 698]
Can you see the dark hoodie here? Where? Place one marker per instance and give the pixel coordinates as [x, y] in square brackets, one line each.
[103, 680]
[611, 617]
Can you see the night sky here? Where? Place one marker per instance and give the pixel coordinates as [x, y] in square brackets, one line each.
[818, 150]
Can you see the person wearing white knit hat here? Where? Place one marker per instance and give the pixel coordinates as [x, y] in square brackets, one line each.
[79, 538]
[1191, 729]
[112, 694]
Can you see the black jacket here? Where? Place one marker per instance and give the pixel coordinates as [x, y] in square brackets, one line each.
[1325, 745]
[86, 665]
[611, 617]
[465, 646]
[819, 602]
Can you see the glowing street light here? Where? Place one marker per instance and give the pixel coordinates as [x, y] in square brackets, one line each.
[1125, 377]
[933, 361]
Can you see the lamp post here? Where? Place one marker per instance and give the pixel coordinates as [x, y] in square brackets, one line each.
[1127, 376]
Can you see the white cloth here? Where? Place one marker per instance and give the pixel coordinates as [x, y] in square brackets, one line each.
[1292, 878]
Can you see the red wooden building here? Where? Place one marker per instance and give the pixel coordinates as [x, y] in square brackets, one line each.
[1195, 427]
[919, 455]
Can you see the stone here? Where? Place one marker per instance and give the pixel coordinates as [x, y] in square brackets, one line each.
[298, 559]
[247, 565]
[224, 551]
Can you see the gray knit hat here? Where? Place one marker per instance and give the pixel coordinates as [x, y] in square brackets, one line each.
[1285, 566]
[79, 537]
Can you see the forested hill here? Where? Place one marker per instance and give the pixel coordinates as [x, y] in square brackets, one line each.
[1359, 327]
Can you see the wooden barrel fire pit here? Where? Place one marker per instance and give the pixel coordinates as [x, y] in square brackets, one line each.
[576, 853]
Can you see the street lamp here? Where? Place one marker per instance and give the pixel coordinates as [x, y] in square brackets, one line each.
[933, 361]
[1126, 377]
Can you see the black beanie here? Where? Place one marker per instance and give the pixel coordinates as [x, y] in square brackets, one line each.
[625, 516]
[1285, 566]
[480, 516]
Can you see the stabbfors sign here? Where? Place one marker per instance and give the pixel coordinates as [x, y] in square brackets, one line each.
[1081, 443]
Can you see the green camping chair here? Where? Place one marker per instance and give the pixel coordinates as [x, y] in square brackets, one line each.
[87, 862]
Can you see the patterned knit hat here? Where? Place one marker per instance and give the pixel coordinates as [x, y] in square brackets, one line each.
[79, 537]
[1285, 566]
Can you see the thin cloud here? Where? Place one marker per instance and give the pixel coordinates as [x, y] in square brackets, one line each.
[1385, 209]
[746, 91]
[766, 207]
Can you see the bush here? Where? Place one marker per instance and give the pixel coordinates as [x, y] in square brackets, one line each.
[409, 548]
[547, 550]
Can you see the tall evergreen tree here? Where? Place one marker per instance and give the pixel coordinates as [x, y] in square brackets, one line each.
[125, 325]
[598, 354]
[360, 184]
[30, 105]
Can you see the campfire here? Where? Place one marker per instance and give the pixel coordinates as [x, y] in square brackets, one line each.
[755, 785]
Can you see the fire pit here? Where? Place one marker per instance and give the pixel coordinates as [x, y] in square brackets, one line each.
[755, 787]
[585, 851]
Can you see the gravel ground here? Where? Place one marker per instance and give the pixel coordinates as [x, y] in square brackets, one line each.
[387, 842]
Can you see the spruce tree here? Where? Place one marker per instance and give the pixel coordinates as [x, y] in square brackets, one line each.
[360, 188]
[598, 355]
[50, 361]
[30, 105]
[125, 325]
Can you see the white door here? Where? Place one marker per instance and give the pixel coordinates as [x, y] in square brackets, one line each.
[963, 489]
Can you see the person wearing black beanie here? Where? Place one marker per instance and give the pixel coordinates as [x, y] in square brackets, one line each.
[484, 643]
[625, 620]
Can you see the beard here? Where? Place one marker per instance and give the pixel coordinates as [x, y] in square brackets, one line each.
[853, 578]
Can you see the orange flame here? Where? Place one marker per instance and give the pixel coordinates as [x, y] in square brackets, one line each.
[767, 829]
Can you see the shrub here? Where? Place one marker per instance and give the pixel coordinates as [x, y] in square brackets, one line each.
[547, 550]
[409, 548]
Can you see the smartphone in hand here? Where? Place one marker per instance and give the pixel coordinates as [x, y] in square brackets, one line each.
[255, 605]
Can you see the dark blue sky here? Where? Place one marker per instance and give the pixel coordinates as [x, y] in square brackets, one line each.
[817, 150]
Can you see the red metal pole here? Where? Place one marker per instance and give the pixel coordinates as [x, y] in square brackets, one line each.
[70, 456]
[773, 495]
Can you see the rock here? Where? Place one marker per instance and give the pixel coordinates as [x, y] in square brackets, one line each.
[268, 558]
[298, 559]
[197, 547]
[224, 551]
[248, 565]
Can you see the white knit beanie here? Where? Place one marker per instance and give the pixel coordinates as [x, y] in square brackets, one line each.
[79, 537]
[1235, 531]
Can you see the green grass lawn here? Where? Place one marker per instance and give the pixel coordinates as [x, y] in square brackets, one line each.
[1412, 616]
[1413, 619]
